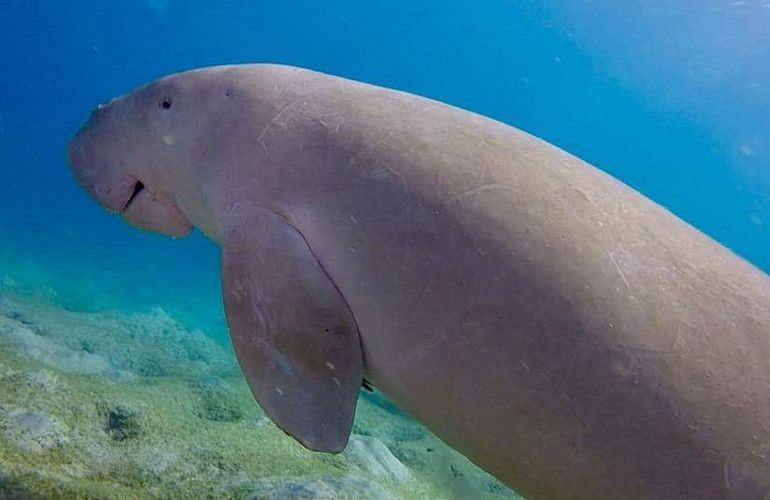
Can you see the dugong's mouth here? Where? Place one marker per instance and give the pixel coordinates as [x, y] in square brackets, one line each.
[115, 195]
[154, 211]
[138, 187]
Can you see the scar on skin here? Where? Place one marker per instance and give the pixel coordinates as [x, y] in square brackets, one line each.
[358, 159]
[303, 99]
[278, 115]
[619, 270]
[479, 189]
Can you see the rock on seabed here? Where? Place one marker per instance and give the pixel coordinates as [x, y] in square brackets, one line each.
[33, 431]
[371, 455]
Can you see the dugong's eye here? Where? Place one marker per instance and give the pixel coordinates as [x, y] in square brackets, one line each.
[165, 103]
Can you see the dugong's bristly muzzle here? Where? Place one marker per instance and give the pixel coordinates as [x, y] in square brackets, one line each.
[110, 188]
[100, 166]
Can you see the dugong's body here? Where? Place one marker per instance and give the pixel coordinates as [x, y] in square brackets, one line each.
[564, 332]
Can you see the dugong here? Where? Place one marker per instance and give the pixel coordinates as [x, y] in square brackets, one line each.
[564, 332]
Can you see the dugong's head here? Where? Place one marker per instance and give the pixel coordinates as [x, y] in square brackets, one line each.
[128, 153]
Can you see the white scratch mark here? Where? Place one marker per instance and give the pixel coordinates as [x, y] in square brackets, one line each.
[368, 154]
[400, 178]
[274, 120]
[480, 189]
[620, 271]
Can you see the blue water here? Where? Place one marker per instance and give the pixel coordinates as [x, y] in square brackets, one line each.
[671, 96]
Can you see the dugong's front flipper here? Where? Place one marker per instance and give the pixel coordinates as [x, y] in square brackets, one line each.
[294, 335]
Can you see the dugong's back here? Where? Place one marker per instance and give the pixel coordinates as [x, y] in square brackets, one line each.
[564, 332]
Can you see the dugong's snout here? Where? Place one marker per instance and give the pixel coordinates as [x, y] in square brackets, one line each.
[112, 189]
[97, 160]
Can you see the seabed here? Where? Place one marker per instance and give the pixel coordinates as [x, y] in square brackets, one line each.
[133, 404]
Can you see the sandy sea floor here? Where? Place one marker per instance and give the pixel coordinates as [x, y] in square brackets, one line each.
[133, 404]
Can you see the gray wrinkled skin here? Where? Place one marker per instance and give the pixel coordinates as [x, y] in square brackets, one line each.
[567, 334]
